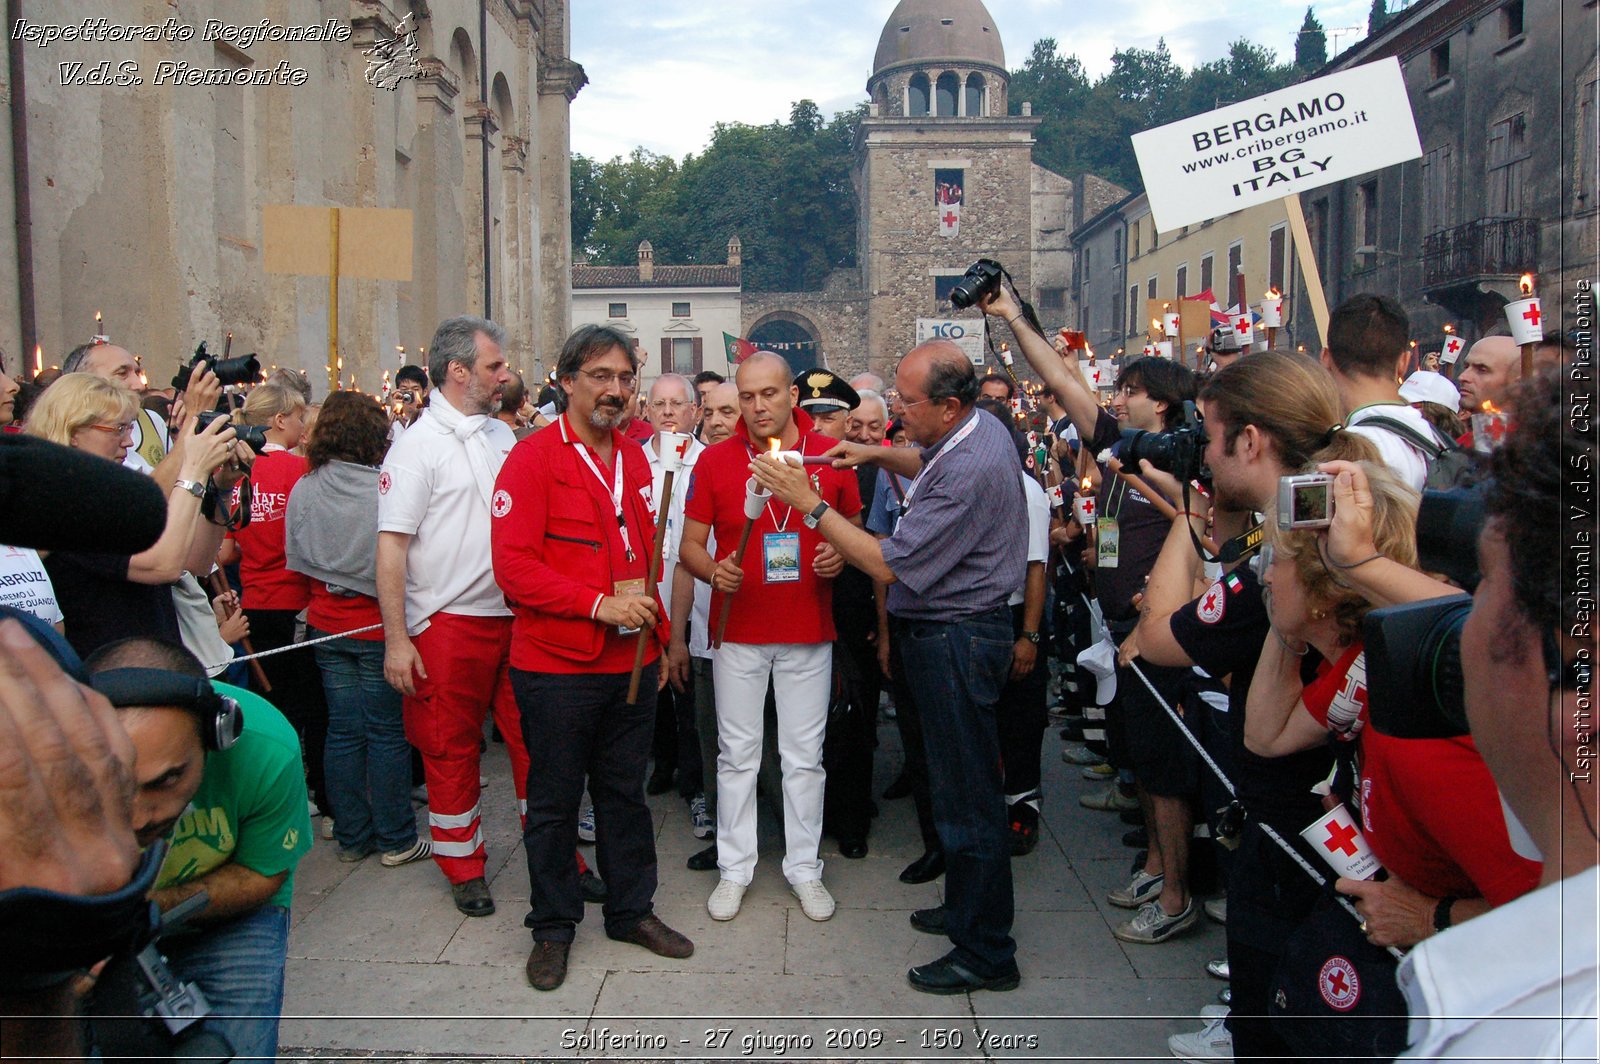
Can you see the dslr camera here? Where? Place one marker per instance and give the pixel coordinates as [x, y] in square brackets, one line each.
[253, 435]
[981, 279]
[1180, 451]
[243, 370]
[1414, 679]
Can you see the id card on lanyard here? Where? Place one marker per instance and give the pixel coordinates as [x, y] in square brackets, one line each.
[1108, 544]
[614, 489]
[911, 491]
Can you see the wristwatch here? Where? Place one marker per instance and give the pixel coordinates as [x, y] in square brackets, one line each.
[193, 487]
[814, 516]
[1032, 637]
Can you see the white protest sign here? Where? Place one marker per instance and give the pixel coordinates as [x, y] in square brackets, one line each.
[965, 333]
[1286, 142]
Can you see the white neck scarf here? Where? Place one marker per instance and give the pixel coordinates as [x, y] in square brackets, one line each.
[470, 430]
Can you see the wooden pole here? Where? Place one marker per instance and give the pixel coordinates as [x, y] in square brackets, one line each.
[727, 598]
[333, 300]
[1308, 266]
[655, 575]
[219, 586]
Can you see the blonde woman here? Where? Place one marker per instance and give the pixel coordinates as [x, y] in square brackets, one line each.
[105, 597]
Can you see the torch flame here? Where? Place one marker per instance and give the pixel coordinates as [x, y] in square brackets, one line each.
[1085, 484]
[776, 444]
[1156, 323]
[1449, 329]
[38, 359]
[1525, 285]
[1490, 408]
[1273, 293]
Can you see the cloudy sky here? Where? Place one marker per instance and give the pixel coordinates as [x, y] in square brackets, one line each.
[663, 72]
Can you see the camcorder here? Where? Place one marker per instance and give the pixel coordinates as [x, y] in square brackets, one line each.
[982, 279]
[1414, 680]
[243, 370]
[1305, 501]
[1180, 451]
[143, 1011]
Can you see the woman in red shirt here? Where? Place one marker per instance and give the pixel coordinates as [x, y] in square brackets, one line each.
[331, 538]
[1428, 807]
[273, 595]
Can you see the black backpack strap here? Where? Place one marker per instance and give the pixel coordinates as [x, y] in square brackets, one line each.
[1431, 448]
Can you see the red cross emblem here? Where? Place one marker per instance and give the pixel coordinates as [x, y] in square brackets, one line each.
[1531, 315]
[683, 447]
[1212, 605]
[1341, 837]
[1339, 984]
[1241, 324]
[949, 218]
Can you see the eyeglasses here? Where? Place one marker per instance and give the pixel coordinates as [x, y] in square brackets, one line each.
[605, 378]
[669, 404]
[120, 429]
[904, 405]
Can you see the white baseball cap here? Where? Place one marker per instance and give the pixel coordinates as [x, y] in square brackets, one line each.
[1101, 662]
[1426, 386]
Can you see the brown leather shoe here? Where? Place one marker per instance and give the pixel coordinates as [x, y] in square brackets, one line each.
[547, 965]
[658, 938]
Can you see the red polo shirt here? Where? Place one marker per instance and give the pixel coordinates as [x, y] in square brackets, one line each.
[797, 611]
[558, 549]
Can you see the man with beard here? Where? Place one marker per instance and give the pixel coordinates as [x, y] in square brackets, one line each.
[230, 794]
[573, 525]
[445, 624]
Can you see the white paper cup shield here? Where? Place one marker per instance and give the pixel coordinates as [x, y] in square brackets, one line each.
[755, 499]
[674, 445]
[1336, 836]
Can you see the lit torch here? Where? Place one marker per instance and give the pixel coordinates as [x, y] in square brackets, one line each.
[1272, 314]
[1523, 316]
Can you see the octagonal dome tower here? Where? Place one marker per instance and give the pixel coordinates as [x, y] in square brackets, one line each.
[939, 59]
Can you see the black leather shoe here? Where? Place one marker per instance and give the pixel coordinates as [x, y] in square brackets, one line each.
[660, 781]
[855, 849]
[547, 965]
[472, 897]
[592, 887]
[704, 861]
[929, 921]
[900, 788]
[945, 976]
[925, 869]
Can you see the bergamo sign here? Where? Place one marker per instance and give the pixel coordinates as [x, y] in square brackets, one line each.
[965, 333]
[1286, 142]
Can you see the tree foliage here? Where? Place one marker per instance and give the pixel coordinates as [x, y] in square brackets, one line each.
[1311, 45]
[1377, 17]
[783, 188]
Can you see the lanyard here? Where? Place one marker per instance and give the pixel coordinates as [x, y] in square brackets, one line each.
[966, 430]
[615, 490]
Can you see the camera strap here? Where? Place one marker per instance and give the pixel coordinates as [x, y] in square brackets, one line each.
[1240, 548]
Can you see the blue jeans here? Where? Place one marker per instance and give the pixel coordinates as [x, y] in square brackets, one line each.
[239, 967]
[956, 670]
[367, 760]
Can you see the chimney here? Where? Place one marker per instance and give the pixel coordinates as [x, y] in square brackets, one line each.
[1027, 108]
[735, 251]
[647, 261]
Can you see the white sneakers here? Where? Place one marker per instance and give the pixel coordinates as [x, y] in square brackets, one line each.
[1211, 1042]
[725, 900]
[815, 901]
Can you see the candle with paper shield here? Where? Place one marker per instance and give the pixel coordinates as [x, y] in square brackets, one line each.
[1169, 320]
[755, 500]
[1338, 839]
[1164, 348]
[99, 336]
[1523, 317]
[1083, 504]
[1272, 315]
[1453, 346]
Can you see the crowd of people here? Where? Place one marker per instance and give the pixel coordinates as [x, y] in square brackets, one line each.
[713, 586]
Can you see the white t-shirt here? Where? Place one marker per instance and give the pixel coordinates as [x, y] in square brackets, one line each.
[426, 490]
[1517, 983]
[25, 586]
[1038, 528]
[680, 492]
[1406, 462]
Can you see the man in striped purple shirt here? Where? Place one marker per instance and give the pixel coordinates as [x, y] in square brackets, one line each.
[959, 551]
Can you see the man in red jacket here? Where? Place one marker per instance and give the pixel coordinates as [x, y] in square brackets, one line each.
[573, 526]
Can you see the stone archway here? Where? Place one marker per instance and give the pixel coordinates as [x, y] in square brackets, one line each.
[780, 327]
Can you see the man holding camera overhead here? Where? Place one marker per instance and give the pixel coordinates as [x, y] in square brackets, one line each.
[1149, 397]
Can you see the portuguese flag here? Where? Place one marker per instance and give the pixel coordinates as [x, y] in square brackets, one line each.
[738, 348]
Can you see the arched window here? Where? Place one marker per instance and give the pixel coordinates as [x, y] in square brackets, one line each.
[918, 104]
[974, 108]
[948, 89]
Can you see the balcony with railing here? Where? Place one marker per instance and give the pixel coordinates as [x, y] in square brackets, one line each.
[1480, 250]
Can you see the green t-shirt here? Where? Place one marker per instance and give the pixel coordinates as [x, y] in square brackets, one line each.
[251, 807]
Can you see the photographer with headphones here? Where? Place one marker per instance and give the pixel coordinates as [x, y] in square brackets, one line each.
[226, 787]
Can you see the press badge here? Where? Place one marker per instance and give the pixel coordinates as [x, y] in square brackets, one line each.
[1106, 551]
[780, 557]
[627, 587]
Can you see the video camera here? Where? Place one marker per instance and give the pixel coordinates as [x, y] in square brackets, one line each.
[1414, 679]
[1180, 451]
[243, 370]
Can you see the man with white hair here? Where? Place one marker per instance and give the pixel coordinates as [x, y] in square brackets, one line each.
[867, 382]
[673, 406]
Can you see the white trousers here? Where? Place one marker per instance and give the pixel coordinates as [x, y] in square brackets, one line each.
[801, 676]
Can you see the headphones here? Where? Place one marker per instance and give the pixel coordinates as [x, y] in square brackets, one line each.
[221, 719]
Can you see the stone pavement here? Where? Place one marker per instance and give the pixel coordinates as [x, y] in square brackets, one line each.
[381, 966]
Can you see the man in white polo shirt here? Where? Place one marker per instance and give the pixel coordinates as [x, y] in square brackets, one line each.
[447, 630]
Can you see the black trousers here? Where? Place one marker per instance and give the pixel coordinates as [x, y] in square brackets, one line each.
[296, 692]
[909, 720]
[1021, 716]
[676, 744]
[581, 727]
[847, 750]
